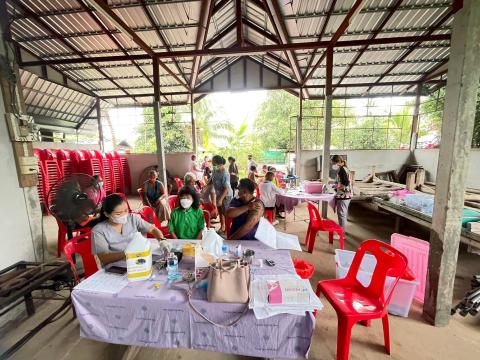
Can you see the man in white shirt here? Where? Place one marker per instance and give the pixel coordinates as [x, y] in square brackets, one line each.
[268, 194]
[250, 163]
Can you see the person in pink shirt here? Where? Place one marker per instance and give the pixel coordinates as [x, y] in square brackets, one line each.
[96, 191]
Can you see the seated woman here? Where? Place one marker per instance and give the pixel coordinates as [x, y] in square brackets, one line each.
[246, 212]
[155, 196]
[112, 234]
[268, 194]
[187, 220]
[190, 179]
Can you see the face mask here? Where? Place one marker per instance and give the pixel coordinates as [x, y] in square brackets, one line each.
[119, 219]
[335, 167]
[186, 203]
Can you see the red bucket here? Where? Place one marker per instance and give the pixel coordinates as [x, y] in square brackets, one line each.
[303, 268]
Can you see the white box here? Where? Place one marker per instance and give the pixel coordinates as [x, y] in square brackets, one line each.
[402, 295]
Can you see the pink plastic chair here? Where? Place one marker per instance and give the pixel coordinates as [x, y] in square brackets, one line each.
[416, 251]
[317, 224]
[354, 302]
[82, 245]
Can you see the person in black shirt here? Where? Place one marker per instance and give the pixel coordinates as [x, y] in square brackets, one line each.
[343, 190]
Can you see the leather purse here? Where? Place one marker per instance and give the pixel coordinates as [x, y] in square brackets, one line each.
[228, 281]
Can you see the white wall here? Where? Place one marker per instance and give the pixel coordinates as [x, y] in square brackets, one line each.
[429, 159]
[359, 161]
[177, 164]
[16, 242]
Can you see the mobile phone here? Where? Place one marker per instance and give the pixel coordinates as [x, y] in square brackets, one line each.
[116, 270]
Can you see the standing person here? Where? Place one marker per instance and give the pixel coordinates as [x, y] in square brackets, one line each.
[205, 163]
[223, 189]
[156, 197]
[343, 190]
[268, 194]
[233, 170]
[252, 173]
[209, 199]
[194, 167]
[250, 163]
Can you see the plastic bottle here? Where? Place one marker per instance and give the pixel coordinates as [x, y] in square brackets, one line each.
[172, 266]
[225, 249]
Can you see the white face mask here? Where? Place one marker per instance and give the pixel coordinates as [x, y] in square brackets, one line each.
[100, 184]
[119, 219]
[335, 167]
[186, 203]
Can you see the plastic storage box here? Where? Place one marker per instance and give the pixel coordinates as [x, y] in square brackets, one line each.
[313, 187]
[403, 294]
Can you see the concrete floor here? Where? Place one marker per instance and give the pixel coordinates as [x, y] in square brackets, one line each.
[412, 338]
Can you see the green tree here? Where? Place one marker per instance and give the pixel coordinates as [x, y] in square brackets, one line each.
[175, 135]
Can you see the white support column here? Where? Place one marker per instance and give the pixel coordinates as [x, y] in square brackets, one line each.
[457, 128]
[158, 126]
[194, 127]
[416, 112]
[327, 134]
[298, 142]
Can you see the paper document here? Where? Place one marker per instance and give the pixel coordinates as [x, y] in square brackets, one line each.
[267, 234]
[102, 282]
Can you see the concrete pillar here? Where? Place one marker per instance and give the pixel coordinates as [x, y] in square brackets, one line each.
[194, 127]
[298, 137]
[327, 131]
[457, 128]
[99, 123]
[416, 112]
[157, 118]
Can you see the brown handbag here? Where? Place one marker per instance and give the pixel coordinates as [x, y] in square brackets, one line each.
[228, 282]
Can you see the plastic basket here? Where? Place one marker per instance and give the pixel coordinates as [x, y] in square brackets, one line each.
[303, 268]
[402, 295]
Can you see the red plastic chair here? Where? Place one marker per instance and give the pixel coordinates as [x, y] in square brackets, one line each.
[82, 245]
[317, 224]
[178, 182]
[212, 210]
[269, 215]
[62, 235]
[206, 215]
[148, 214]
[228, 225]
[354, 302]
[172, 201]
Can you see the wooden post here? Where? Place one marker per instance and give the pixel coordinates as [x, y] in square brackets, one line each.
[194, 127]
[457, 128]
[416, 112]
[327, 131]
[158, 125]
[410, 183]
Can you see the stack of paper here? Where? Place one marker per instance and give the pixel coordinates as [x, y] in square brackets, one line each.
[103, 282]
[259, 297]
[267, 234]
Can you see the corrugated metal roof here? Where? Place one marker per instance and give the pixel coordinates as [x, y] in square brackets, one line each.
[173, 25]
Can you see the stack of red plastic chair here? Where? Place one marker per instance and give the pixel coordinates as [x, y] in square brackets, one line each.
[354, 302]
[89, 163]
[108, 181]
[52, 171]
[65, 164]
[41, 185]
[118, 182]
[127, 179]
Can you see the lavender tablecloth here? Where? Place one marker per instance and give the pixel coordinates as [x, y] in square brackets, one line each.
[289, 201]
[143, 315]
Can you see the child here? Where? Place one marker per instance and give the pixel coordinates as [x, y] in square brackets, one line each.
[268, 194]
[187, 221]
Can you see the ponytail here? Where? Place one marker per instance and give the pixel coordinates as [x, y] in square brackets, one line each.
[339, 159]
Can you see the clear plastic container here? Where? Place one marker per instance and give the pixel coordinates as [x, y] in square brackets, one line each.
[172, 266]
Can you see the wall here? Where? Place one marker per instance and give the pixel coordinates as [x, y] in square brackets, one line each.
[177, 165]
[360, 161]
[70, 146]
[16, 243]
[429, 159]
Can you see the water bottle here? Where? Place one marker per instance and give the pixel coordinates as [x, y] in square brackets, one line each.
[172, 266]
[225, 249]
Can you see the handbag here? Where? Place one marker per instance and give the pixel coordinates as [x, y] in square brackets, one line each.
[228, 282]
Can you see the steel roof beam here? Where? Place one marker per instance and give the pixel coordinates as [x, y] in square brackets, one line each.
[238, 20]
[103, 8]
[50, 29]
[160, 36]
[354, 10]
[374, 9]
[86, 116]
[436, 71]
[322, 32]
[276, 18]
[372, 36]
[243, 50]
[218, 6]
[412, 47]
[206, 11]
